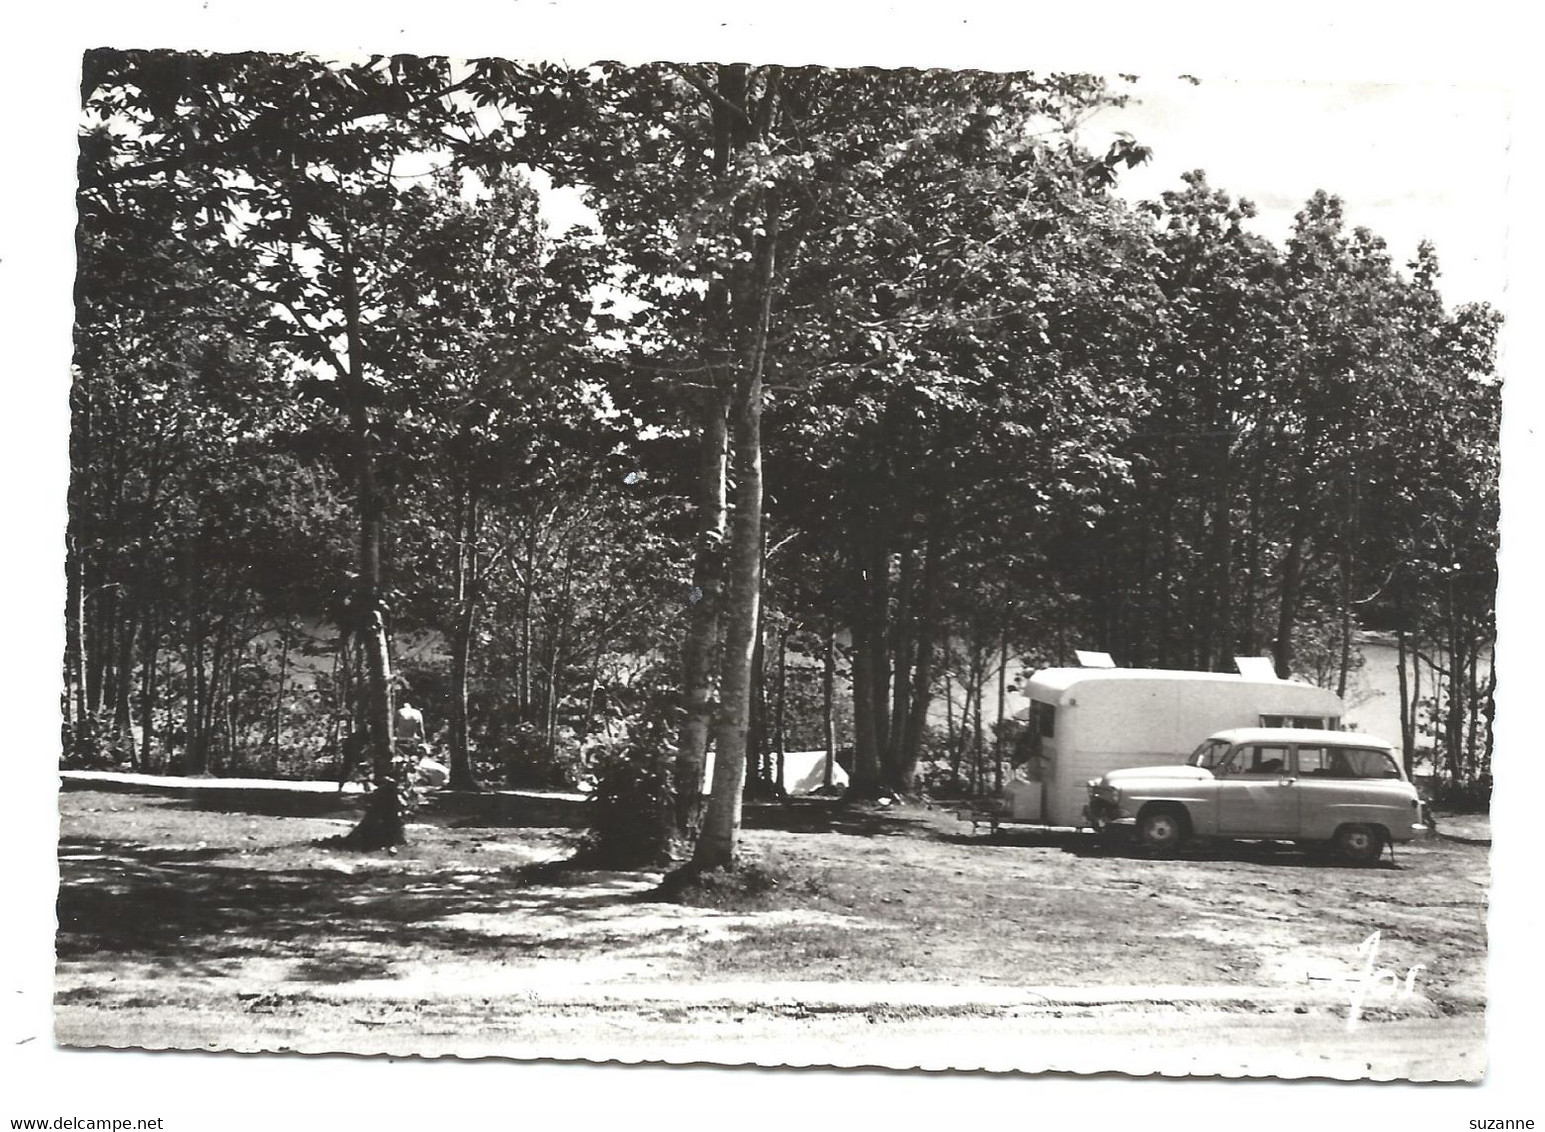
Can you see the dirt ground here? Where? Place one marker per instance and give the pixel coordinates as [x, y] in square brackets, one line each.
[894, 938]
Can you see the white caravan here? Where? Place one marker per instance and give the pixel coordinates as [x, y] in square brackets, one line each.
[1083, 722]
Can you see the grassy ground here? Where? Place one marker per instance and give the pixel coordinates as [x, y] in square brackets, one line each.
[889, 935]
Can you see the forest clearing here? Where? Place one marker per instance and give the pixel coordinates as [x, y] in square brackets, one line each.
[885, 936]
[610, 444]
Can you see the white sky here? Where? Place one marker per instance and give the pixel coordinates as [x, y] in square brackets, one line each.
[1410, 161]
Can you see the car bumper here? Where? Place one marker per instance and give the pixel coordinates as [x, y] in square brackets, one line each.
[1102, 814]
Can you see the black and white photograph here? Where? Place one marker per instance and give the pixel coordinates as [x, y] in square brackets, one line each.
[892, 568]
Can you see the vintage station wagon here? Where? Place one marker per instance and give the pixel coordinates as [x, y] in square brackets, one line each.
[1335, 788]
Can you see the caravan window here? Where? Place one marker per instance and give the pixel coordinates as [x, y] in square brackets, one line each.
[1029, 753]
[1312, 722]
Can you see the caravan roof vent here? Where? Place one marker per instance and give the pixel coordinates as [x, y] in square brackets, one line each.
[1256, 667]
[1094, 659]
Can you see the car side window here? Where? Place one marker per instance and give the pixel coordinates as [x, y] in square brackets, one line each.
[1257, 760]
[1356, 762]
[1312, 761]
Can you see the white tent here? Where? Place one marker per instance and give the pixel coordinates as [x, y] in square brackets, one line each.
[804, 772]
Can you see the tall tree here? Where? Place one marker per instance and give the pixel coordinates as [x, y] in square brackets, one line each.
[279, 173]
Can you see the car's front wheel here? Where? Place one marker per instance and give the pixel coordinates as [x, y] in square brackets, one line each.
[1161, 830]
[1360, 844]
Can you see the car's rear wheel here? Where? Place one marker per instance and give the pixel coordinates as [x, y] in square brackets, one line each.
[1161, 830]
[1360, 844]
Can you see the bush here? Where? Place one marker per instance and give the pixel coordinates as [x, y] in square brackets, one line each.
[97, 746]
[631, 811]
[1473, 797]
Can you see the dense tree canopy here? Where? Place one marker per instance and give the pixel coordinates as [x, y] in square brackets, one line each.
[864, 389]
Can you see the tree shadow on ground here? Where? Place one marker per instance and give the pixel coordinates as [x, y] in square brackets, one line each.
[828, 815]
[194, 915]
[1068, 839]
[505, 809]
[456, 810]
[1272, 853]
[274, 803]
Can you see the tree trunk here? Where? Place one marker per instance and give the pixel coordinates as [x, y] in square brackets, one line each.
[1251, 620]
[195, 754]
[75, 645]
[903, 634]
[978, 682]
[703, 617]
[284, 672]
[829, 703]
[951, 738]
[1348, 574]
[1453, 722]
[210, 699]
[1168, 536]
[1489, 711]
[228, 701]
[717, 842]
[758, 775]
[703, 613]
[878, 595]
[123, 672]
[527, 600]
[997, 739]
[557, 642]
[468, 590]
[914, 722]
[1287, 609]
[1472, 707]
[1224, 637]
[98, 614]
[1407, 721]
[717, 839]
[383, 824]
[864, 782]
[780, 734]
[149, 646]
[1416, 700]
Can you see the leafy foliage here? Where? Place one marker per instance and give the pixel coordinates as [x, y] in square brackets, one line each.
[631, 804]
[865, 389]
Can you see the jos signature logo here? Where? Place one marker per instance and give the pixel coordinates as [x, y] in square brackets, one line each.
[1376, 981]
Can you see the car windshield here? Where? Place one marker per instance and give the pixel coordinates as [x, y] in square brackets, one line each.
[1209, 754]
